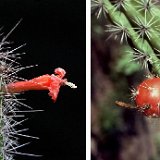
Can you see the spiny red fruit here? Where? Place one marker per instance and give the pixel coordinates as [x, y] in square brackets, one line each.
[147, 97]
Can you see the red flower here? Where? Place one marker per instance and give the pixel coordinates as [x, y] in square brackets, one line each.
[46, 82]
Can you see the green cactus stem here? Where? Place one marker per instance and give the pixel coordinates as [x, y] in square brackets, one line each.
[138, 21]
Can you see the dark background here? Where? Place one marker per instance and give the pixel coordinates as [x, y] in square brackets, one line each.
[54, 33]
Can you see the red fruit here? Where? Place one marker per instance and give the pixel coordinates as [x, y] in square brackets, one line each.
[147, 97]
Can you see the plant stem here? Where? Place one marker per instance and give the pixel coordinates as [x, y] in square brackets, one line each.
[141, 44]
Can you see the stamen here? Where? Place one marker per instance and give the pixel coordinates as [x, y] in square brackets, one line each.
[70, 84]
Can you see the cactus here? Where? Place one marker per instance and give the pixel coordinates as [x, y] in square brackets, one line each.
[10, 105]
[137, 23]
[135, 26]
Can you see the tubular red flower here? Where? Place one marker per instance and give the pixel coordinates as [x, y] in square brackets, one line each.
[45, 82]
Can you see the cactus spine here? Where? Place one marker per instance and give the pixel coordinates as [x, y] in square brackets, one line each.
[10, 113]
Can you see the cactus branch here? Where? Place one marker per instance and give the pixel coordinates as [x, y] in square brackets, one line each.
[137, 37]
